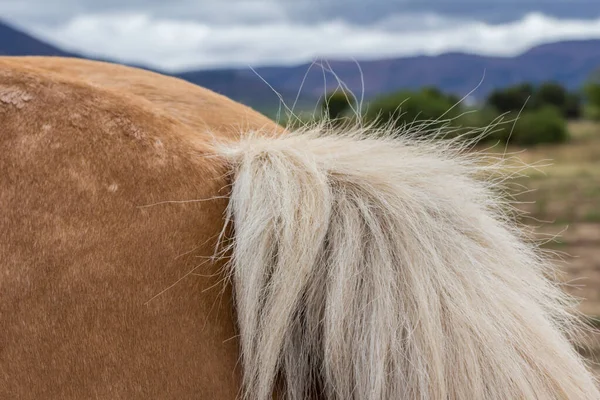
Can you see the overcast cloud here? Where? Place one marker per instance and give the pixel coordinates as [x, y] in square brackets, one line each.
[185, 34]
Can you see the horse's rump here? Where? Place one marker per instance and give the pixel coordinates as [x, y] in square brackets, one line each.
[90, 243]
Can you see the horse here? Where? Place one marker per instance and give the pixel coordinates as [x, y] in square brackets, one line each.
[160, 240]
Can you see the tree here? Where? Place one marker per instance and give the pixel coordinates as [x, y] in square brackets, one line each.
[592, 94]
[592, 91]
[527, 97]
[437, 93]
[407, 107]
[550, 94]
[513, 98]
[336, 104]
[545, 125]
[573, 106]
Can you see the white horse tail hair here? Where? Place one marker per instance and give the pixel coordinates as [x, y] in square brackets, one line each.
[375, 267]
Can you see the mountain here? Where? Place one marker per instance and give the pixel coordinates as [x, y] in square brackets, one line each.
[16, 43]
[568, 62]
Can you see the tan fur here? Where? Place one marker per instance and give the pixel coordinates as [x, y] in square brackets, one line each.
[361, 268]
[198, 108]
[80, 260]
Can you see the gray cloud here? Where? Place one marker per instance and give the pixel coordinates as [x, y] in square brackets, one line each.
[492, 11]
[360, 12]
[181, 34]
[231, 11]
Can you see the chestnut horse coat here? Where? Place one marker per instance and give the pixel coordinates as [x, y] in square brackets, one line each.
[86, 148]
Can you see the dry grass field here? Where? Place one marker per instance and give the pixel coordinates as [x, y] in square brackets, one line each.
[563, 199]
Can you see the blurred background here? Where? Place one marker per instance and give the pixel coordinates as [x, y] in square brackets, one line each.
[530, 69]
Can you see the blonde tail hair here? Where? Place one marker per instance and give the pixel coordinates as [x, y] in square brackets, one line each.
[388, 268]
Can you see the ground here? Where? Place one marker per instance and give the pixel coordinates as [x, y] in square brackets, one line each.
[564, 199]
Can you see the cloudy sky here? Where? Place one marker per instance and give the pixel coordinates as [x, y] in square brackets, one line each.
[184, 34]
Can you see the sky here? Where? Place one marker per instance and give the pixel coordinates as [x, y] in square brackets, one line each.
[180, 35]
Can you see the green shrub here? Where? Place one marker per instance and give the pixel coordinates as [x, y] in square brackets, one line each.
[527, 97]
[545, 125]
[554, 94]
[535, 125]
[512, 98]
[573, 108]
[550, 94]
[336, 104]
[437, 93]
[408, 107]
[482, 123]
[592, 94]
[591, 112]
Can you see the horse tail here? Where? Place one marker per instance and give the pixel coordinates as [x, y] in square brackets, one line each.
[371, 267]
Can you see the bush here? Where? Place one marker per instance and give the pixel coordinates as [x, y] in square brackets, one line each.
[526, 97]
[554, 94]
[592, 94]
[476, 122]
[437, 93]
[536, 125]
[550, 94]
[336, 104]
[573, 108]
[545, 125]
[512, 98]
[407, 107]
[591, 112]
